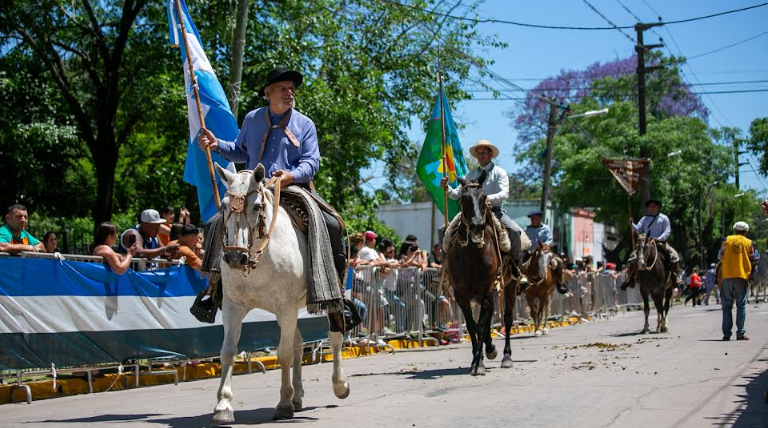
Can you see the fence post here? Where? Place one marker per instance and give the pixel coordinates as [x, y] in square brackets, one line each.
[65, 239]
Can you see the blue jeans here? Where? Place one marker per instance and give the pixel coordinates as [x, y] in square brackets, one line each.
[734, 290]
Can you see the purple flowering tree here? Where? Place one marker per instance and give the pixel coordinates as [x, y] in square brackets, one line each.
[667, 94]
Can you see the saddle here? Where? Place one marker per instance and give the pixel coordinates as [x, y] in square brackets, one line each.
[453, 234]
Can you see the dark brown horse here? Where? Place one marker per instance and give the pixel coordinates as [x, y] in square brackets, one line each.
[473, 265]
[655, 281]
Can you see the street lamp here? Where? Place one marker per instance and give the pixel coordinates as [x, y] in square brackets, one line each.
[551, 130]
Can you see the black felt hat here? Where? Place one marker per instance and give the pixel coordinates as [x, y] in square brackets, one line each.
[653, 201]
[282, 74]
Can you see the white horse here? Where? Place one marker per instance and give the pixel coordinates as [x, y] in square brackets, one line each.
[277, 283]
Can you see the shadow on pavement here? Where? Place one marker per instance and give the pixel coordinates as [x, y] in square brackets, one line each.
[752, 410]
[242, 417]
[101, 418]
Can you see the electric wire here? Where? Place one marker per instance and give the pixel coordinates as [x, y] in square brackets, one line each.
[480, 20]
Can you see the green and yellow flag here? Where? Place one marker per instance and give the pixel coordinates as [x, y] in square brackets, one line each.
[430, 166]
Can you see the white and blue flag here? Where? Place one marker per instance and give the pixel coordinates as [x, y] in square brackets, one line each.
[217, 115]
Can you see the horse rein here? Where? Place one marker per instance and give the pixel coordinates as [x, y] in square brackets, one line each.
[655, 257]
[237, 207]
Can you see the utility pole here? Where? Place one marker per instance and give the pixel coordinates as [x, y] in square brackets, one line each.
[737, 164]
[551, 128]
[640, 48]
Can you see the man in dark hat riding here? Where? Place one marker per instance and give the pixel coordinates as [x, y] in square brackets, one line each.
[284, 141]
[657, 227]
[538, 232]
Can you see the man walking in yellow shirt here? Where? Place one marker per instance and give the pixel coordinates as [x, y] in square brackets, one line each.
[736, 256]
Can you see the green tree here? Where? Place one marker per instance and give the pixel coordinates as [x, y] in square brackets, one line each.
[758, 142]
[369, 68]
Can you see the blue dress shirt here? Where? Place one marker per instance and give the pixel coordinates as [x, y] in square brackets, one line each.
[280, 153]
[536, 234]
[660, 229]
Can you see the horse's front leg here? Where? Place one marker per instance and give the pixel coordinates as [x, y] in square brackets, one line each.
[340, 384]
[232, 317]
[509, 307]
[483, 333]
[658, 300]
[472, 327]
[490, 348]
[646, 311]
[285, 355]
[545, 316]
[298, 355]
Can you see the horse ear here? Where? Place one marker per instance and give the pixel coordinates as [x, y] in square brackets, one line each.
[258, 174]
[461, 181]
[483, 176]
[225, 174]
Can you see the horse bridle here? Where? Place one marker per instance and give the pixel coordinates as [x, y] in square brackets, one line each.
[237, 207]
[655, 257]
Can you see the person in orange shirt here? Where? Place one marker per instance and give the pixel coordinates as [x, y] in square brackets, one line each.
[187, 242]
[736, 256]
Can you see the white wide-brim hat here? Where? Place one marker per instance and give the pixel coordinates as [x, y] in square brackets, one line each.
[741, 226]
[484, 143]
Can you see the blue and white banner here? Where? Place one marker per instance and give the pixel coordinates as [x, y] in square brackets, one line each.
[217, 114]
[75, 313]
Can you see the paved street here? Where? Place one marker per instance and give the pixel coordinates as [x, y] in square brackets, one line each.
[592, 375]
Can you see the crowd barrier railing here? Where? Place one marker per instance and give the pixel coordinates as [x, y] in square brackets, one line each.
[137, 264]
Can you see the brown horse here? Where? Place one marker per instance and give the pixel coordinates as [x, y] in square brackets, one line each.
[545, 271]
[473, 264]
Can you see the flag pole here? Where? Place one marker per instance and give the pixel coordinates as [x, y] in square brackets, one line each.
[445, 155]
[199, 105]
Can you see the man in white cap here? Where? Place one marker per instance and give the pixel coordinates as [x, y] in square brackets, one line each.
[144, 235]
[736, 256]
[496, 188]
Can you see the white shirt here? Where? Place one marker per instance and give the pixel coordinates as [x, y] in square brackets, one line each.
[367, 254]
[496, 184]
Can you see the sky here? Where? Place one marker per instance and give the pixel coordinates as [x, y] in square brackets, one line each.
[534, 54]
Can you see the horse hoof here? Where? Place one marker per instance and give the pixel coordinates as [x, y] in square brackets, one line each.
[645, 331]
[283, 413]
[538, 333]
[478, 371]
[506, 363]
[492, 355]
[298, 406]
[664, 330]
[545, 332]
[226, 416]
[343, 393]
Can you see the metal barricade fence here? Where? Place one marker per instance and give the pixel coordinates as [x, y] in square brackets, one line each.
[137, 264]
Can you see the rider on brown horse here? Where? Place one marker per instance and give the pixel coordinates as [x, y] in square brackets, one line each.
[658, 228]
[496, 187]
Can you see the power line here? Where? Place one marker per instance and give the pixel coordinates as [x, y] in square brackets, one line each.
[727, 47]
[671, 85]
[575, 97]
[605, 18]
[480, 20]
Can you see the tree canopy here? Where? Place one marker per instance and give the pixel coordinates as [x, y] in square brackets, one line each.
[99, 81]
[696, 175]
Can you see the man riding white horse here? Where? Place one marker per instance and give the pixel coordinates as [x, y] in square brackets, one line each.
[657, 227]
[285, 142]
[496, 187]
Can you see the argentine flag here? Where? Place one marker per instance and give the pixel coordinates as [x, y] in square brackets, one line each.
[217, 115]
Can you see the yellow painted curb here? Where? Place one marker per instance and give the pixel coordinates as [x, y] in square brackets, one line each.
[72, 386]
